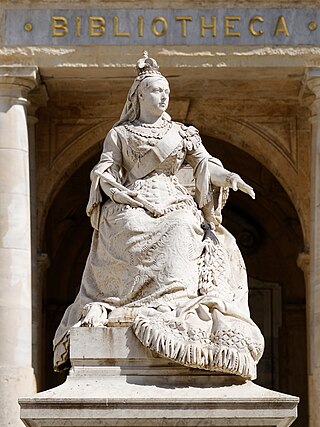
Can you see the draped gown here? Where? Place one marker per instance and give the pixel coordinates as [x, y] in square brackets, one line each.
[184, 293]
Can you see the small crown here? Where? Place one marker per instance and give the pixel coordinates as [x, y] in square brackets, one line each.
[147, 65]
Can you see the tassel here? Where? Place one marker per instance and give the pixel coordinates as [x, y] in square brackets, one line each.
[208, 233]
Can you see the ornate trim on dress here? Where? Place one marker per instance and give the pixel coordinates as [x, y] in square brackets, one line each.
[225, 351]
[190, 136]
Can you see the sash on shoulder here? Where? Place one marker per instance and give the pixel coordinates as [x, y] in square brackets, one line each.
[156, 155]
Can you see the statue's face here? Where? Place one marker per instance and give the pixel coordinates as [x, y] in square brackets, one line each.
[154, 95]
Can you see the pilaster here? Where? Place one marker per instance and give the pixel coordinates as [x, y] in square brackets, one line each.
[313, 291]
[16, 373]
[38, 98]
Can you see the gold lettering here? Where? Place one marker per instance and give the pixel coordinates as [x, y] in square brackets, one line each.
[116, 31]
[97, 26]
[78, 26]
[281, 27]
[140, 26]
[59, 26]
[252, 30]
[230, 26]
[164, 26]
[183, 20]
[212, 26]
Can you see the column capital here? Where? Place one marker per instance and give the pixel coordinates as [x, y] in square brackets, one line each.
[16, 82]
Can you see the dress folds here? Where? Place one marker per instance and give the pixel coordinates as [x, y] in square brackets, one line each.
[185, 294]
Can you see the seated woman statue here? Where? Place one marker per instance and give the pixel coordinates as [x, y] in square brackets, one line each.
[160, 260]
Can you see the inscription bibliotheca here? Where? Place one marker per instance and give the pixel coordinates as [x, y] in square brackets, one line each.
[242, 26]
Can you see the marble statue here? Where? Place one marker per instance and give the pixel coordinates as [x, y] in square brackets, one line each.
[160, 260]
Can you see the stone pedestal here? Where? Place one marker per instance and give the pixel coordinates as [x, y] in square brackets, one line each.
[115, 381]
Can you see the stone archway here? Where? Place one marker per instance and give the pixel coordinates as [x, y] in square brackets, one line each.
[268, 232]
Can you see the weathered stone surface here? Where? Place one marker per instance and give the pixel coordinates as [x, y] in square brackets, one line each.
[156, 26]
[115, 381]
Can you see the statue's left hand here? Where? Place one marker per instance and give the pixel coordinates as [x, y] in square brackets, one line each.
[237, 183]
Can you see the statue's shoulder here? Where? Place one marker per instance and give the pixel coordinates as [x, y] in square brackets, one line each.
[190, 136]
[121, 131]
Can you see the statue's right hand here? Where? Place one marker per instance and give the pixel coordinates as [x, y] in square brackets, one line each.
[125, 197]
[94, 314]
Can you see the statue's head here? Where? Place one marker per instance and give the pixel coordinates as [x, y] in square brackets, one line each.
[149, 83]
[153, 95]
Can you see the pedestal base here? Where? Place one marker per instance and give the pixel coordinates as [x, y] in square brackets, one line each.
[115, 381]
[14, 381]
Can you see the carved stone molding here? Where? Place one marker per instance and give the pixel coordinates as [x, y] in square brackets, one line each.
[280, 132]
[303, 262]
[66, 132]
[38, 98]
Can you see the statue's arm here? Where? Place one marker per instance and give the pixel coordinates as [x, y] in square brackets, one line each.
[221, 177]
[108, 167]
[108, 174]
[204, 164]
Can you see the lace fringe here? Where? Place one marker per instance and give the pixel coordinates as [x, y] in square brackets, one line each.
[212, 357]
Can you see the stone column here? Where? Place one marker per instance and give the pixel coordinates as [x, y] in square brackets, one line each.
[313, 297]
[38, 98]
[16, 373]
